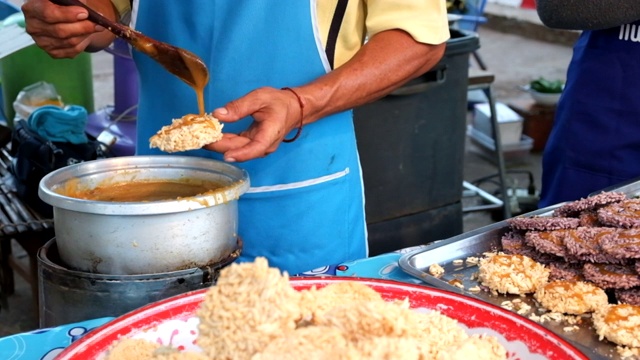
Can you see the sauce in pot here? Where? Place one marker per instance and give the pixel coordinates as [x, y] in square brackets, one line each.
[139, 191]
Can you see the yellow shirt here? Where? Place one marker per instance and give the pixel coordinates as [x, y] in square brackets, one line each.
[425, 20]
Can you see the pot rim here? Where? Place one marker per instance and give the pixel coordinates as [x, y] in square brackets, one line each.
[239, 177]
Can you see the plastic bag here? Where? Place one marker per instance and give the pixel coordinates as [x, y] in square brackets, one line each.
[34, 157]
[34, 96]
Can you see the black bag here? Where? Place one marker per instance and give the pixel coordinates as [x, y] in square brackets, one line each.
[34, 157]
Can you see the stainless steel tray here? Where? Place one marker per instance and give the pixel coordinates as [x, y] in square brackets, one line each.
[631, 188]
[474, 244]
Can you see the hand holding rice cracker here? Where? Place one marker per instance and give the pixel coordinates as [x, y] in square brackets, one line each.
[187, 133]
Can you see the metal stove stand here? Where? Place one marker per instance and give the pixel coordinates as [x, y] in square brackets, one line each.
[20, 225]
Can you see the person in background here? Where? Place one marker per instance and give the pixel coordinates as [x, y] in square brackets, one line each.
[595, 140]
[305, 207]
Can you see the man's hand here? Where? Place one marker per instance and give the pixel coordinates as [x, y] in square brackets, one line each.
[63, 31]
[275, 113]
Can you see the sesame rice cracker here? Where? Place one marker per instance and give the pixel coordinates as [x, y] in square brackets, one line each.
[619, 324]
[514, 243]
[543, 223]
[623, 243]
[512, 274]
[583, 244]
[571, 297]
[574, 208]
[625, 214]
[561, 270]
[610, 276]
[589, 218]
[187, 133]
[549, 242]
[628, 296]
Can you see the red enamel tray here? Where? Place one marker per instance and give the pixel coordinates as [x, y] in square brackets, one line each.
[172, 321]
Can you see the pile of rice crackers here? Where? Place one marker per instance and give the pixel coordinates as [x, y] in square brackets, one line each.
[584, 259]
[253, 312]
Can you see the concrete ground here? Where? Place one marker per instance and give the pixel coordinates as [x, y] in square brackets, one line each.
[514, 46]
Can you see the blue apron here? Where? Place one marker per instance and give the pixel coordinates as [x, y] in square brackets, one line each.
[595, 140]
[305, 208]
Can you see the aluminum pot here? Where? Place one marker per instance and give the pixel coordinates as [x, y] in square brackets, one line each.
[146, 237]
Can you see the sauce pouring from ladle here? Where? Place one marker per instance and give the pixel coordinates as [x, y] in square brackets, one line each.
[182, 63]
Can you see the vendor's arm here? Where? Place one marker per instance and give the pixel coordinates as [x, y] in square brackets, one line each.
[587, 14]
[400, 47]
[63, 31]
[385, 62]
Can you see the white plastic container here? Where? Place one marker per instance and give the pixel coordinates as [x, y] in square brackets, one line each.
[509, 121]
[512, 153]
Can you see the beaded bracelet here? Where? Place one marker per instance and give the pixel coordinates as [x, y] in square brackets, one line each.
[299, 129]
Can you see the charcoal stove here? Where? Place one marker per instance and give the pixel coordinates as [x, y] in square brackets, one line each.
[67, 296]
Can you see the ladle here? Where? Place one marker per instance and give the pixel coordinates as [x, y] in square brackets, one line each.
[180, 62]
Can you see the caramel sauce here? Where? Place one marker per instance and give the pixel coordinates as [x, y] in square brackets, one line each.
[632, 235]
[190, 68]
[568, 292]
[201, 78]
[507, 259]
[628, 209]
[141, 191]
[516, 261]
[555, 237]
[588, 242]
[599, 235]
[590, 219]
[206, 121]
[604, 269]
[564, 285]
[513, 247]
[191, 119]
[574, 236]
[631, 238]
[620, 312]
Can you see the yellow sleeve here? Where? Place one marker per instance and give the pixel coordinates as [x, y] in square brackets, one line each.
[124, 10]
[425, 20]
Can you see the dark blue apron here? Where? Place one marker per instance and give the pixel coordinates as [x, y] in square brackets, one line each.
[305, 208]
[595, 140]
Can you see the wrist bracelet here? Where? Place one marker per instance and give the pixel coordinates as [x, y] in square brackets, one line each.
[299, 129]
